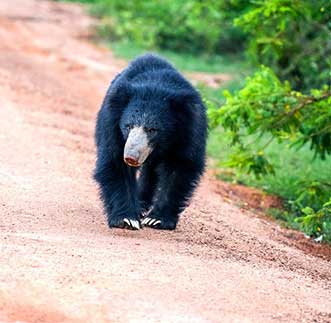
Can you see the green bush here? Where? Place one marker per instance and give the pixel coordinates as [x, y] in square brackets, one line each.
[317, 223]
[268, 110]
[266, 106]
[288, 102]
[181, 25]
[293, 38]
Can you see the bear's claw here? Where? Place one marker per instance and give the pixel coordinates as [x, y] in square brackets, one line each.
[160, 224]
[132, 224]
[150, 222]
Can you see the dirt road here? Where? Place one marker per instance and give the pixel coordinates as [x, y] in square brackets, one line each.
[58, 260]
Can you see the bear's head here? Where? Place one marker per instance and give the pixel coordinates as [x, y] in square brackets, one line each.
[153, 120]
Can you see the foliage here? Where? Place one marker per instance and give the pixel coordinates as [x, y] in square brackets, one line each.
[268, 110]
[267, 106]
[290, 36]
[294, 168]
[293, 38]
[317, 223]
[181, 25]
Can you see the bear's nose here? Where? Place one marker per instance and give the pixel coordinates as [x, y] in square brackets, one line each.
[131, 161]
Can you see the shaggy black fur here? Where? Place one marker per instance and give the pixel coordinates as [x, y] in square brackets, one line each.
[150, 93]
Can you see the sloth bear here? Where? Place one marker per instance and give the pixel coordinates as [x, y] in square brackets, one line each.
[150, 136]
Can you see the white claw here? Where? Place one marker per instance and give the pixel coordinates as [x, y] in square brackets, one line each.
[157, 222]
[151, 222]
[131, 223]
[143, 221]
[136, 224]
[147, 220]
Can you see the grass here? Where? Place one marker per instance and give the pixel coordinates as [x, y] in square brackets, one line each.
[292, 166]
[294, 170]
[187, 62]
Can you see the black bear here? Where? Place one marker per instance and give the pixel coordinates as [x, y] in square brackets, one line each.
[150, 136]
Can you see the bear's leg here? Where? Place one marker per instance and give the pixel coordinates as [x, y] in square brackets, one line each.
[175, 189]
[119, 193]
[146, 187]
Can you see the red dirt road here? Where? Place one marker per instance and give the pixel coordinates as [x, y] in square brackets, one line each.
[58, 260]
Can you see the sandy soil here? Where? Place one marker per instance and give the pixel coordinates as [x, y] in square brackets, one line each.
[58, 260]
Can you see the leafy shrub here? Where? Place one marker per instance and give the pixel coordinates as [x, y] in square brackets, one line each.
[290, 36]
[317, 223]
[186, 26]
[293, 38]
[268, 106]
[268, 110]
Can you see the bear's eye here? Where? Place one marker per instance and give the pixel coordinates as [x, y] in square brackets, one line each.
[129, 126]
[151, 130]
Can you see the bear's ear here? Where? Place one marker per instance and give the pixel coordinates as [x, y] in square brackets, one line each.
[119, 94]
[182, 100]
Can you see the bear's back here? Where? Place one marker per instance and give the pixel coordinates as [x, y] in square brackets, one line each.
[153, 71]
[146, 64]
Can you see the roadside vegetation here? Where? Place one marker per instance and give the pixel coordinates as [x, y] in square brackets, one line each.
[270, 126]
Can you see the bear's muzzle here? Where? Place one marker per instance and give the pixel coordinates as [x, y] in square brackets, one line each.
[137, 147]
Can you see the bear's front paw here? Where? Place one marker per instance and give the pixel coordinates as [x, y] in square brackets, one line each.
[124, 223]
[157, 222]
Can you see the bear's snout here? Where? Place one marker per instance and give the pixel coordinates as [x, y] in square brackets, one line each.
[137, 147]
